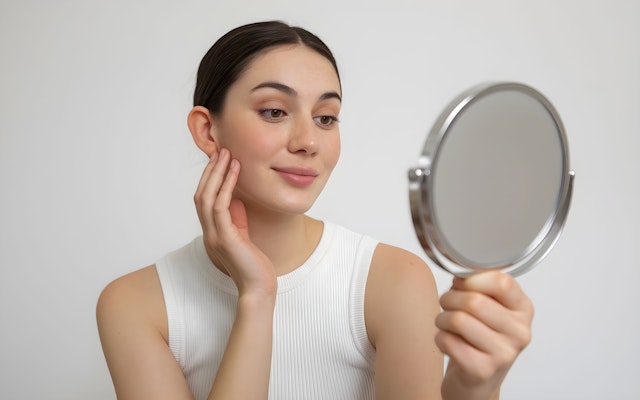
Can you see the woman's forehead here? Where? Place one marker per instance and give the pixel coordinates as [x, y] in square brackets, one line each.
[297, 66]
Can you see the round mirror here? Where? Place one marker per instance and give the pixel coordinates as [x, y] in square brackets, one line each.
[492, 187]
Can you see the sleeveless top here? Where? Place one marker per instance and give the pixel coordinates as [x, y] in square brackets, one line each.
[320, 344]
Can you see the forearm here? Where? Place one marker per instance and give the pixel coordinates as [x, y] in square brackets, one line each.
[245, 367]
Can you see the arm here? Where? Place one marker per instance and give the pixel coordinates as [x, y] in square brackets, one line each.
[132, 319]
[244, 370]
[245, 367]
[401, 305]
[132, 323]
[485, 325]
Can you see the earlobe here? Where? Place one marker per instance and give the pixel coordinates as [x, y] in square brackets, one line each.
[201, 125]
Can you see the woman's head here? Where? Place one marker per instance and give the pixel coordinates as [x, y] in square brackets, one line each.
[271, 95]
[232, 53]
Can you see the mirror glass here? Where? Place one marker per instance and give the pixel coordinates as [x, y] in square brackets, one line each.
[493, 185]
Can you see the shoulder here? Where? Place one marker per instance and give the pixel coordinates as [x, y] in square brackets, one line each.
[401, 305]
[134, 301]
[132, 324]
[387, 255]
[400, 286]
[393, 268]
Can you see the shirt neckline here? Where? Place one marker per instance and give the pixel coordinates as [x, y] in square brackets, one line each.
[286, 282]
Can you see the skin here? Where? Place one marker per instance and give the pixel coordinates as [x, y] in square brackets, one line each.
[278, 127]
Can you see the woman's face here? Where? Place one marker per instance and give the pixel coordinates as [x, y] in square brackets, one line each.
[279, 120]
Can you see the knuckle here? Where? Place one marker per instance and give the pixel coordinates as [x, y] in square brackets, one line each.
[506, 282]
[445, 300]
[219, 208]
[476, 303]
[505, 358]
[529, 309]
[524, 338]
[200, 199]
[457, 320]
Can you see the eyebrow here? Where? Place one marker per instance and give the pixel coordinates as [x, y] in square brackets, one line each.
[289, 91]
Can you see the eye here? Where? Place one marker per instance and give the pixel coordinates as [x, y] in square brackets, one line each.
[272, 114]
[325, 120]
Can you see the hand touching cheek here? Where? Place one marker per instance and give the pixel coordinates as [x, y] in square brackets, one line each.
[225, 229]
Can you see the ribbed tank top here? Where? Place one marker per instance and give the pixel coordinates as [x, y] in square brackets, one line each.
[320, 344]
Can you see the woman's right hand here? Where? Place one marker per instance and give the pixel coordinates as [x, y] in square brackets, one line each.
[247, 357]
[226, 231]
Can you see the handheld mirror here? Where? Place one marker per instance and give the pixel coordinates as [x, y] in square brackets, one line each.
[492, 187]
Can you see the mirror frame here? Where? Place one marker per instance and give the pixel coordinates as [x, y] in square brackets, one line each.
[421, 182]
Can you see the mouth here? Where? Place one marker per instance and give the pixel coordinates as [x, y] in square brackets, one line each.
[296, 176]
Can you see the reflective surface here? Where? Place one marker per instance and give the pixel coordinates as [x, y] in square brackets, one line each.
[493, 185]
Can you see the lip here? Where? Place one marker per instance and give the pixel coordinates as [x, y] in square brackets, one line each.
[297, 176]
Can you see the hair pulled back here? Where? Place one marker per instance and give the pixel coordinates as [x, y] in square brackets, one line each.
[229, 56]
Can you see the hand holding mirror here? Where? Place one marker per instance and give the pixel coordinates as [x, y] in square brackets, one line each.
[492, 187]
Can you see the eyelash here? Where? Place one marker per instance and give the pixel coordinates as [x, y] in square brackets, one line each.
[332, 118]
[267, 113]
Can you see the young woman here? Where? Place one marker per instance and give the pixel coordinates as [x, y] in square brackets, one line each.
[270, 303]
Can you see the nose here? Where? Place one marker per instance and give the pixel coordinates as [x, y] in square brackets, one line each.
[303, 137]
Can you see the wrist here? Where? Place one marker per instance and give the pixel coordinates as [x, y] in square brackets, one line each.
[257, 290]
[455, 390]
[256, 302]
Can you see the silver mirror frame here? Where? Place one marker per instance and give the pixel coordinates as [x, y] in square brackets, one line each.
[421, 182]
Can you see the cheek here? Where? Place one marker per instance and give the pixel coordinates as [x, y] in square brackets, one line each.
[244, 138]
[250, 178]
[333, 149]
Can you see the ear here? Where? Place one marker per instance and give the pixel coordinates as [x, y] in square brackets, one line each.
[201, 125]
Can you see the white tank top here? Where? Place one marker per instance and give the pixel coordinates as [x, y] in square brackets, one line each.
[320, 344]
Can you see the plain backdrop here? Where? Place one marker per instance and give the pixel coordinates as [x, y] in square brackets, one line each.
[98, 170]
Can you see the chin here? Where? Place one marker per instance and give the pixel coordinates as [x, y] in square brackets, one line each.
[293, 208]
[289, 205]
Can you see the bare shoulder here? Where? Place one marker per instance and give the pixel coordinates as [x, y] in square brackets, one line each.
[393, 268]
[401, 304]
[133, 300]
[132, 323]
[399, 284]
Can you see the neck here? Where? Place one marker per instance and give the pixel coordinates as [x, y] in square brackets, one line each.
[288, 240]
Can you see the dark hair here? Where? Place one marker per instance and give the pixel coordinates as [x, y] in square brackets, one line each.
[230, 55]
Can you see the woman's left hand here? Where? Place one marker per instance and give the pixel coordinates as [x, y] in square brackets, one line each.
[485, 324]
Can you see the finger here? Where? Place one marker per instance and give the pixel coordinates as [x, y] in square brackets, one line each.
[467, 357]
[198, 197]
[207, 192]
[498, 285]
[213, 181]
[223, 203]
[485, 309]
[475, 333]
[205, 175]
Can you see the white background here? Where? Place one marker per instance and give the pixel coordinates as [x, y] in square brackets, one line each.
[97, 168]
